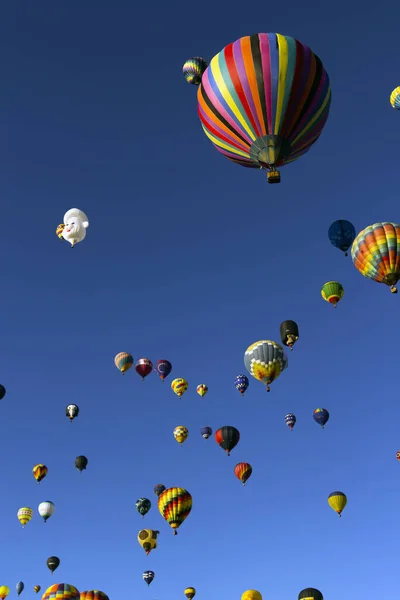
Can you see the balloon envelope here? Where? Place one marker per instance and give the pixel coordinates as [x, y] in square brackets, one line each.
[264, 100]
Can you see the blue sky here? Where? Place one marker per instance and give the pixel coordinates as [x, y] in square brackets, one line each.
[192, 258]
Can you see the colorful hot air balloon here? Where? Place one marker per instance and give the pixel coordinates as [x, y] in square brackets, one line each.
[61, 591]
[143, 367]
[395, 98]
[181, 434]
[59, 231]
[53, 562]
[175, 505]
[376, 253]
[206, 432]
[333, 292]
[46, 509]
[289, 333]
[321, 416]
[147, 538]
[163, 368]
[148, 576]
[39, 472]
[337, 501]
[243, 471]
[158, 489]
[20, 587]
[143, 505]
[81, 463]
[94, 595]
[251, 595]
[24, 515]
[202, 389]
[123, 361]
[227, 437]
[193, 69]
[310, 594]
[265, 361]
[190, 593]
[241, 383]
[398, 455]
[264, 100]
[290, 420]
[72, 411]
[341, 235]
[36, 588]
[179, 386]
[4, 591]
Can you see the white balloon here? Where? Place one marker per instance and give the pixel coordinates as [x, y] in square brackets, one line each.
[46, 509]
[76, 223]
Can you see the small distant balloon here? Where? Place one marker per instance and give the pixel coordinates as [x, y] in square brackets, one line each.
[20, 587]
[206, 432]
[251, 595]
[265, 360]
[39, 472]
[53, 562]
[332, 292]
[190, 593]
[46, 509]
[143, 367]
[163, 368]
[159, 488]
[181, 434]
[175, 505]
[398, 455]
[2, 391]
[72, 411]
[227, 438]
[337, 501]
[321, 416]
[290, 420]
[241, 383]
[243, 471]
[289, 333]
[36, 588]
[341, 235]
[147, 538]
[123, 361]
[81, 463]
[24, 515]
[59, 231]
[202, 389]
[4, 591]
[179, 386]
[75, 225]
[143, 505]
[148, 576]
[61, 591]
[310, 594]
[193, 70]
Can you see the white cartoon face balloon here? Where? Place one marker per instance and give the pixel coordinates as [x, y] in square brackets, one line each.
[76, 223]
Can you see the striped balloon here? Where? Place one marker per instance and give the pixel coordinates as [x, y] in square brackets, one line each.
[376, 253]
[332, 292]
[193, 70]
[175, 505]
[123, 361]
[93, 595]
[61, 591]
[243, 471]
[395, 98]
[264, 101]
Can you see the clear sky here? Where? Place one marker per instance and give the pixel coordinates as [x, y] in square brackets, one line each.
[192, 258]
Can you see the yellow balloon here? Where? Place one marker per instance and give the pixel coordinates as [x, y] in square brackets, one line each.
[4, 591]
[337, 501]
[24, 515]
[251, 595]
[147, 538]
[179, 386]
[190, 593]
[202, 389]
[181, 434]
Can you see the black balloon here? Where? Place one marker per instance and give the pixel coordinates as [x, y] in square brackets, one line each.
[53, 562]
[2, 392]
[81, 462]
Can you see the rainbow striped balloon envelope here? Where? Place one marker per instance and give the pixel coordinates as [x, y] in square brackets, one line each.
[61, 591]
[264, 100]
[376, 253]
[395, 98]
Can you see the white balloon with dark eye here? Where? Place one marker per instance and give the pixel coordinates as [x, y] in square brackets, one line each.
[76, 223]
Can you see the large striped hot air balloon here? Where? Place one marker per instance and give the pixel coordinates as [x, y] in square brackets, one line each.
[61, 591]
[175, 505]
[264, 100]
[94, 595]
[376, 253]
